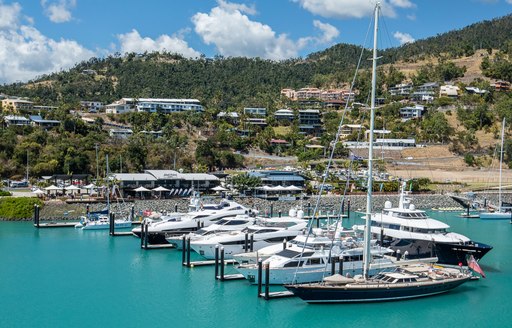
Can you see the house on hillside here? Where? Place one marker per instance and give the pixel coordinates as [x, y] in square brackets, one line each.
[15, 104]
[411, 112]
[310, 122]
[37, 120]
[450, 91]
[16, 120]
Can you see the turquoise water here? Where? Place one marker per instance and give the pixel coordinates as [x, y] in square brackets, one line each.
[72, 278]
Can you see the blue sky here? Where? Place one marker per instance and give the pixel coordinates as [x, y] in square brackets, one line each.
[42, 36]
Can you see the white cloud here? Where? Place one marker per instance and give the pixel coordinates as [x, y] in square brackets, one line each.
[26, 53]
[351, 8]
[403, 38]
[133, 42]
[60, 11]
[234, 34]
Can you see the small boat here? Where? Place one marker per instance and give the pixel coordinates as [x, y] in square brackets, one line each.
[503, 211]
[101, 222]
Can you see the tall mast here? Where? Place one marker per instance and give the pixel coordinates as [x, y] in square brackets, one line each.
[367, 235]
[108, 188]
[501, 161]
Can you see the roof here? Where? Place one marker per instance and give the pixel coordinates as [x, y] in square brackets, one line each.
[39, 119]
[16, 117]
[133, 177]
[175, 175]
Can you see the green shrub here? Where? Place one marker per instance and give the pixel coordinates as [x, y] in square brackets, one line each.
[12, 208]
[5, 193]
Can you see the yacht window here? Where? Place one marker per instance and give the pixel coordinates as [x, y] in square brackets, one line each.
[274, 240]
[236, 242]
[236, 222]
[293, 264]
[314, 261]
[265, 231]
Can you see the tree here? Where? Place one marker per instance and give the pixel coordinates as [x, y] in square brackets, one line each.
[244, 182]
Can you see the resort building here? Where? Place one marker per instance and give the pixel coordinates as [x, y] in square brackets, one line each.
[153, 105]
[501, 86]
[16, 104]
[284, 115]
[389, 144]
[310, 121]
[279, 178]
[231, 117]
[348, 129]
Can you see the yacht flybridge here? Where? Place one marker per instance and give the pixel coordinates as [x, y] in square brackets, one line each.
[413, 233]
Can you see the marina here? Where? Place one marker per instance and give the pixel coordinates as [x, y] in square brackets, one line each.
[156, 281]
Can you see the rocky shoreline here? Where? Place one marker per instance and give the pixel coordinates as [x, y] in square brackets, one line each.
[58, 210]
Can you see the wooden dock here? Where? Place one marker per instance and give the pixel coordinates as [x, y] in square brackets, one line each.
[156, 246]
[55, 225]
[236, 276]
[205, 263]
[122, 233]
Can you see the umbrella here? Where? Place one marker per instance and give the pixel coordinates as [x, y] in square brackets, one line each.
[38, 191]
[141, 189]
[90, 186]
[52, 187]
[160, 189]
[293, 188]
[219, 188]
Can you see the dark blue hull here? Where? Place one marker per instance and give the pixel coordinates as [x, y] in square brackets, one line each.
[452, 254]
[339, 294]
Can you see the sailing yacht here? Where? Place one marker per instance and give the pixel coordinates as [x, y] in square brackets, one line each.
[101, 221]
[406, 281]
[503, 212]
[411, 231]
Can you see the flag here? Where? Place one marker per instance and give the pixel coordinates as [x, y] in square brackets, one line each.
[473, 265]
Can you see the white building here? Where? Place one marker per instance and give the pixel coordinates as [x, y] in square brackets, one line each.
[92, 106]
[122, 106]
[450, 91]
[153, 105]
[410, 112]
[120, 133]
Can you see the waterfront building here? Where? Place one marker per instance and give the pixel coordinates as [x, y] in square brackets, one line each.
[276, 178]
[284, 115]
[175, 181]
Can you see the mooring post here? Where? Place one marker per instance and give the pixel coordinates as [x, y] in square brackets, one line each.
[309, 209]
[111, 224]
[183, 248]
[271, 210]
[398, 255]
[333, 265]
[284, 244]
[279, 213]
[175, 208]
[36, 223]
[142, 233]
[381, 237]
[340, 261]
[132, 213]
[260, 269]
[343, 206]
[222, 264]
[216, 261]
[188, 251]
[348, 209]
[252, 242]
[267, 281]
[146, 235]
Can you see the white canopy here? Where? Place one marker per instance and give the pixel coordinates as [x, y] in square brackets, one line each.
[90, 186]
[219, 188]
[38, 191]
[293, 188]
[160, 188]
[71, 187]
[52, 187]
[141, 189]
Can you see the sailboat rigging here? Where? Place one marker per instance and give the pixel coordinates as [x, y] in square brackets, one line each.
[405, 281]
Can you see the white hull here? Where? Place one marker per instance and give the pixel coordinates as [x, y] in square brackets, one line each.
[495, 216]
[121, 224]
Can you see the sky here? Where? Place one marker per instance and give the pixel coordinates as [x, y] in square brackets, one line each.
[43, 36]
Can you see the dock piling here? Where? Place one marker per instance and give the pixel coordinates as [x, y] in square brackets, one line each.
[260, 268]
[221, 264]
[340, 261]
[252, 242]
[246, 242]
[188, 252]
[267, 281]
[183, 249]
[216, 261]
